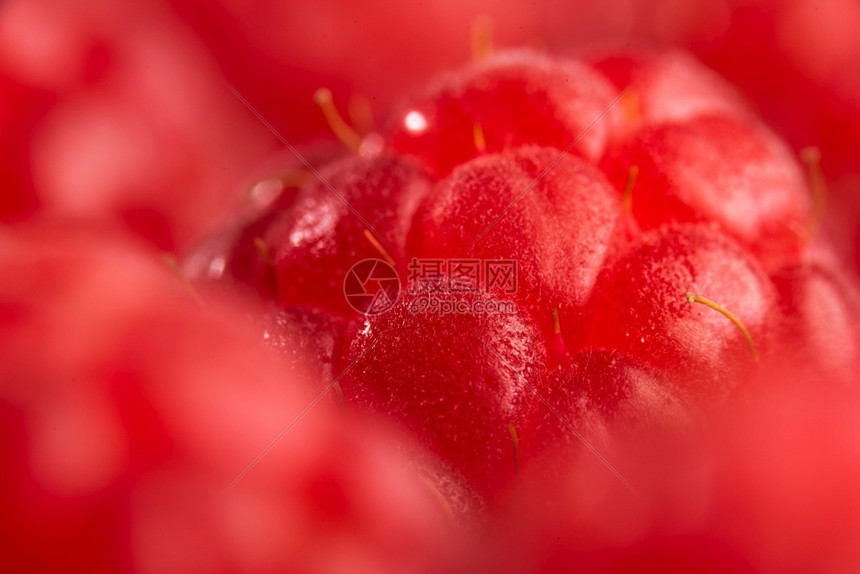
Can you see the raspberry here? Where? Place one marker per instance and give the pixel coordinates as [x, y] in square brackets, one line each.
[649, 306]
[641, 313]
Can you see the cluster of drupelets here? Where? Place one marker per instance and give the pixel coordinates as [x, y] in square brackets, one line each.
[667, 248]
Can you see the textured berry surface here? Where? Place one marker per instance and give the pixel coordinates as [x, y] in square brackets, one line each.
[641, 307]
[300, 249]
[558, 224]
[457, 381]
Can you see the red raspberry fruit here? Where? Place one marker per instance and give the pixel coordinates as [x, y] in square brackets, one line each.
[663, 301]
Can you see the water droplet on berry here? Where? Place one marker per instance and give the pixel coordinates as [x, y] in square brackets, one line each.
[415, 122]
